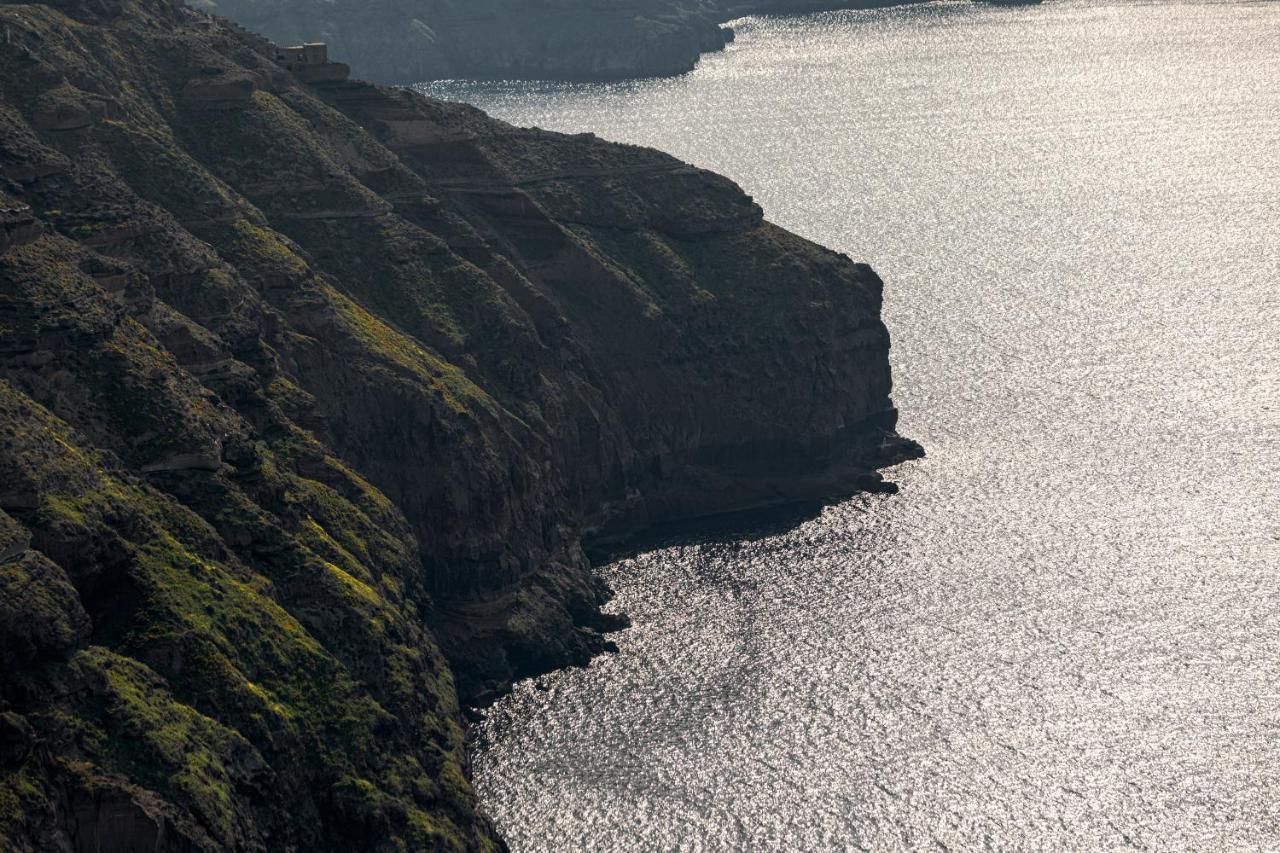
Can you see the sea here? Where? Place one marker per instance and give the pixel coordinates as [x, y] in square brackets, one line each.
[1064, 632]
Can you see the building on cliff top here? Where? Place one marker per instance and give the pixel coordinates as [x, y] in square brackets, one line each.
[310, 63]
[311, 53]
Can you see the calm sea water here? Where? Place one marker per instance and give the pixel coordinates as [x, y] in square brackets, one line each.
[1065, 631]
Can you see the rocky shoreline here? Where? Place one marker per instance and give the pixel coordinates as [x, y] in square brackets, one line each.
[312, 391]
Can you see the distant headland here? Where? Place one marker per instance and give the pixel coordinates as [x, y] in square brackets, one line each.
[577, 40]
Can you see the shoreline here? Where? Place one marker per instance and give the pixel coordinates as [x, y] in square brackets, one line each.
[498, 40]
[658, 67]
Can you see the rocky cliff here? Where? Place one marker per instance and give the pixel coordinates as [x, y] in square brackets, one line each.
[409, 41]
[308, 397]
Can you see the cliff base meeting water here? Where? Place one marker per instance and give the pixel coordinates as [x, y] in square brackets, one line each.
[1064, 632]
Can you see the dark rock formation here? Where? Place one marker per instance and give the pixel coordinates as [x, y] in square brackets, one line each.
[298, 389]
[220, 90]
[18, 224]
[589, 40]
[65, 107]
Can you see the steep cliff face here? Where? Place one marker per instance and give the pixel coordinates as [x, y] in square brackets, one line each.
[302, 385]
[409, 41]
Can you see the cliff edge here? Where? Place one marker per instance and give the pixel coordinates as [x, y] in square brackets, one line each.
[310, 393]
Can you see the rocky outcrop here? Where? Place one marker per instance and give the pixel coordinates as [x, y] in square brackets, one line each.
[18, 225]
[581, 40]
[219, 91]
[65, 108]
[204, 459]
[309, 405]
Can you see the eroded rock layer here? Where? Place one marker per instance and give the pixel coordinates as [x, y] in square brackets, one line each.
[300, 385]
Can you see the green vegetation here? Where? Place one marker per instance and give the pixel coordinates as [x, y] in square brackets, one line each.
[20, 795]
[452, 385]
[233, 676]
[162, 743]
[257, 242]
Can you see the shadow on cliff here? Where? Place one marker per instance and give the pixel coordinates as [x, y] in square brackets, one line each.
[729, 527]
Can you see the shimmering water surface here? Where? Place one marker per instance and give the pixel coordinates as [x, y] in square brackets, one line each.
[1065, 631]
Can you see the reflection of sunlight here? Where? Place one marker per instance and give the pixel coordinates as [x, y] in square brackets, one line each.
[1068, 618]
